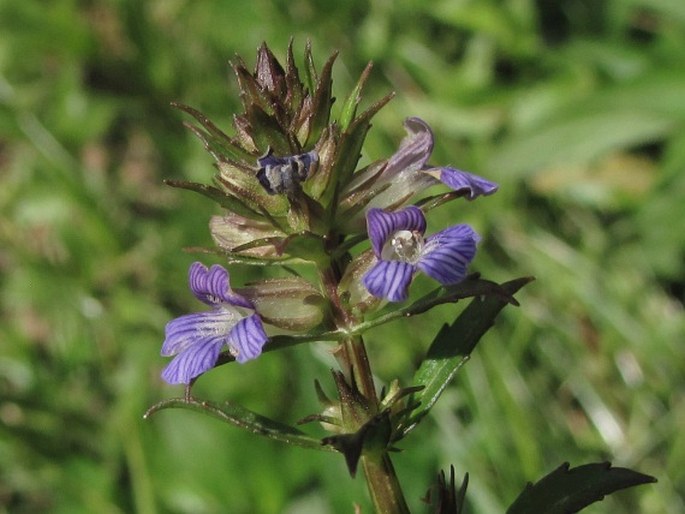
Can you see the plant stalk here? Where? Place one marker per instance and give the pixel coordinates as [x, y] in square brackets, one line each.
[384, 487]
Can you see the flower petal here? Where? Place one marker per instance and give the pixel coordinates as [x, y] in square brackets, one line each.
[212, 286]
[389, 280]
[187, 330]
[194, 360]
[414, 151]
[448, 253]
[381, 225]
[471, 185]
[247, 338]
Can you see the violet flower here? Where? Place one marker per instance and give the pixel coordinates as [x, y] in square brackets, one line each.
[397, 240]
[197, 339]
[407, 172]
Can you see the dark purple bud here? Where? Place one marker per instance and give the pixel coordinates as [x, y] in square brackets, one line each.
[283, 175]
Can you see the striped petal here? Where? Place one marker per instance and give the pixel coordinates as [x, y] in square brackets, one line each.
[414, 151]
[212, 286]
[381, 225]
[448, 253]
[470, 185]
[194, 360]
[247, 338]
[389, 280]
[185, 331]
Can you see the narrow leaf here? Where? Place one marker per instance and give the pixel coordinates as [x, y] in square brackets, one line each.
[236, 258]
[567, 490]
[349, 109]
[322, 99]
[214, 139]
[453, 346]
[241, 417]
[227, 201]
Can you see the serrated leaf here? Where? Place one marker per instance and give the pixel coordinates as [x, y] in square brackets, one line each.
[246, 419]
[567, 490]
[453, 345]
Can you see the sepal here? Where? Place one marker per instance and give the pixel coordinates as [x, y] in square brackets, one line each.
[351, 287]
[289, 303]
[371, 437]
[241, 181]
[234, 233]
[444, 497]
[216, 142]
[223, 198]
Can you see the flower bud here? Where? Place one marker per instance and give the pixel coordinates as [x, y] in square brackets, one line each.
[241, 181]
[232, 231]
[288, 303]
[351, 288]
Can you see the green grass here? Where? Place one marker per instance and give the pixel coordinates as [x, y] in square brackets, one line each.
[576, 108]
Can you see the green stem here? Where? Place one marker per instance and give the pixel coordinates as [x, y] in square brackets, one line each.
[357, 359]
[384, 487]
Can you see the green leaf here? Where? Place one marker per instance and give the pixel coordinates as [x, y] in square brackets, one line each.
[567, 490]
[310, 75]
[579, 138]
[349, 109]
[322, 99]
[227, 201]
[241, 417]
[267, 132]
[453, 346]
[236, 258]
[472, 286]
[350, 147]
[215, 140]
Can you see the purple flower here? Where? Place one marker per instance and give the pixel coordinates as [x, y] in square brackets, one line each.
[397, 240]
[197, 339]
[284, 174]
[407, 172]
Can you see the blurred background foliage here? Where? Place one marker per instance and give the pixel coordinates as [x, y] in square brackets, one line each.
[577, 109]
